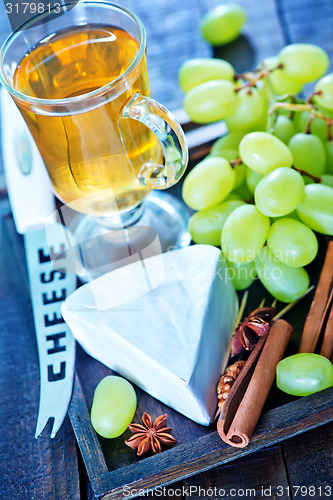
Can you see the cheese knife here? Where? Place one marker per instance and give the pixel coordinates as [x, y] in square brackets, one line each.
[46, 242]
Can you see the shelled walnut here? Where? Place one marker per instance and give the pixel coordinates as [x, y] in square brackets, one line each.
[227, 380]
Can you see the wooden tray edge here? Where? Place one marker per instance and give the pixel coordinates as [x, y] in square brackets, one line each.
[193, 457]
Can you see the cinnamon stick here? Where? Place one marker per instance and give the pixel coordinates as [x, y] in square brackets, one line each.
[315, 320]
[246, 399]
[327, 344]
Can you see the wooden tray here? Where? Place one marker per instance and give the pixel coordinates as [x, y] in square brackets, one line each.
[115, 471]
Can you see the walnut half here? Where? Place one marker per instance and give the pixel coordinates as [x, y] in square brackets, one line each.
[227, 380]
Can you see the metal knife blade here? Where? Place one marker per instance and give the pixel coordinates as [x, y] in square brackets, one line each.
[33, 208]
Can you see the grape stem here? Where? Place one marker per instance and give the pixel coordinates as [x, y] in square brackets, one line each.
[329, 133]
[308, 126]
[304, 172]
[236, 162]
[258, 74]
[292, 304]
[255, 76]
[241, 308]
[307, 106]
[312, 95]
[292, 106]
[252, 78]
[301, 107]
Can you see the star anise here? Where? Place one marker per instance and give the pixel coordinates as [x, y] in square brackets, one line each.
[150, 436]
[247, 333]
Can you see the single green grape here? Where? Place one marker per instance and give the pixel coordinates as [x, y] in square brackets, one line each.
[206, 225]
[264, 152]
[280, 192]
[316, 208]
[223, 23]
[309, 153]
[239, 175]
[230, 140]
[325, 87]
[292, 242]
[284, 283]
[329, 157]
[231, 155]
[304, 373]
[284, 128]
[280, 82]
[327, 180]
[244, 234]
[228, 154]
[113, 406]
[251, 113]
[211, 101]
[208, 183]
[193, 72]
[242, 274]
[303, 62]
[327, 112]
[252, 178]
[317, 127]
[283, 83]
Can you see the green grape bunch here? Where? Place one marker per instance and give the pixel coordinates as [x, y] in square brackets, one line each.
[266, 188]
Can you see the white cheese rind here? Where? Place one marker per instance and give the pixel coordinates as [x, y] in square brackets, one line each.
[164, 324]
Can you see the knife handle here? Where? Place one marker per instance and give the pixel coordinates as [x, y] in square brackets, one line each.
[28, 185]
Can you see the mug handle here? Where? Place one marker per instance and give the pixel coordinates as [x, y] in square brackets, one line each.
[171, 136]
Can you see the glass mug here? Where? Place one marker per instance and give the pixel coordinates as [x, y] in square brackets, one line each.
[80, 81]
